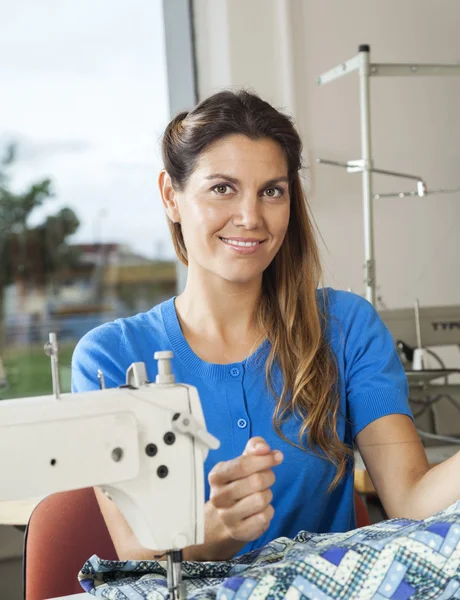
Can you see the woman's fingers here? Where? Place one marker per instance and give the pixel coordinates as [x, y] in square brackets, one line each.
[243, 466]
[247, 507]
[227, 495]
[256, 445]
[253, 527]
[240, 490]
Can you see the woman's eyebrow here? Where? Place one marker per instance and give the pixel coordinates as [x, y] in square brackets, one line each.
[223, 176]
[282, 179]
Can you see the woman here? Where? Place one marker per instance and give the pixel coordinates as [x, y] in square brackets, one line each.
[289, 376]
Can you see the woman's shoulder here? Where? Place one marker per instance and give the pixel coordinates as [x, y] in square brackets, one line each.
[342, 305]
[149, 323]
[113, 346]
[351, 319]
[348, 316]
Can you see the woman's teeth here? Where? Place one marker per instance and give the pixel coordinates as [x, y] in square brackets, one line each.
[235, 243]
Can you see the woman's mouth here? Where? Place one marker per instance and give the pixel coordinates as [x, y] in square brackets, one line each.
[243, 245]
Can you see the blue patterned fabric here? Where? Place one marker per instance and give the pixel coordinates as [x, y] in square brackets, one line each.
[397, 559]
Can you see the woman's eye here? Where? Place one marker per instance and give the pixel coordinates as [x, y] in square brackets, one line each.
[274, 192]
[221, 189]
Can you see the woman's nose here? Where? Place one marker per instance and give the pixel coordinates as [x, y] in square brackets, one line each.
[249, 213]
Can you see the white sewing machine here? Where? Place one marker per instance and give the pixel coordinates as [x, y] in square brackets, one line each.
[420, 334]
[144, 443]
[435, 326]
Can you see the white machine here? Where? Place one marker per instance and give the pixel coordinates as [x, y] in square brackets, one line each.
[143, 443]
[434, 326]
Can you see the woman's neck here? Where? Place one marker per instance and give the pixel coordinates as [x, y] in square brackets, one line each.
[220, 313]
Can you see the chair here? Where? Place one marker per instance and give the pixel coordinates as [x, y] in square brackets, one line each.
[64, 530]
[362, 515]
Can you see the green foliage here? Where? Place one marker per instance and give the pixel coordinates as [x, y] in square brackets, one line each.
[28, 253]
[29, 371]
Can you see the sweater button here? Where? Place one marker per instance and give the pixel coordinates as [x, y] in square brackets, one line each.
[234, 372]
[242, 423]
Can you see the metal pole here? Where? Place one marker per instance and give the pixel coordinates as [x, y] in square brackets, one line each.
[366, 154]
[286, 50]
[182, 76]
[176, 587]
[52, 350]
[361, 62]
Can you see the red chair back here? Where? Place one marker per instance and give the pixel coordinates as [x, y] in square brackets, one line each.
[64, 530]
[362, 515]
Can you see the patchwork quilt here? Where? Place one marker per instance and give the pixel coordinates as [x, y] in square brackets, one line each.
[397, 559]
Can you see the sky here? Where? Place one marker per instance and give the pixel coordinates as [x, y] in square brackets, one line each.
[83, 92]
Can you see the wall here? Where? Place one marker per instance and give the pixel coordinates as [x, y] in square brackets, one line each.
[279, 47]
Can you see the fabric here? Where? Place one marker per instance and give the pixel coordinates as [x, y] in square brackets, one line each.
[397, 559]
[237, 404]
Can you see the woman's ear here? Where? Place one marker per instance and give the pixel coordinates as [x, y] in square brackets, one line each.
[169, 196]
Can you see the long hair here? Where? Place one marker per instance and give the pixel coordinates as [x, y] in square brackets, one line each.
[288, 312]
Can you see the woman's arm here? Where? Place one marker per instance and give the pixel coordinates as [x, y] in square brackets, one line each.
[398, 467]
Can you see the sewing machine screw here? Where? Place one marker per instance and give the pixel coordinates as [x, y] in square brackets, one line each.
[151, 449]
[162, 471]
[117, 454]
[169, 438]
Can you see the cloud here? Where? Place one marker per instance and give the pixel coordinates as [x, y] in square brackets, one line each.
[85, 95]
[34, 150]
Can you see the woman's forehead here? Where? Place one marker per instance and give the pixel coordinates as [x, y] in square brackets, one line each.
[240, 154]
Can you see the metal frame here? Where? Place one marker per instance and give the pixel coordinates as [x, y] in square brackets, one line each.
[362, 64]
[181, 68]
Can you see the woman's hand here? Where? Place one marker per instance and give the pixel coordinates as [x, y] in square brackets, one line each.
[240, 490]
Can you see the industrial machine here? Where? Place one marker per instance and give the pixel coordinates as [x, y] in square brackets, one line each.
[143, 443]
[434, 388]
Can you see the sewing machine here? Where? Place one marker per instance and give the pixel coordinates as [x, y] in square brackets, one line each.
[436, 326]
[143, 443]
[416, 333]
[439, 325]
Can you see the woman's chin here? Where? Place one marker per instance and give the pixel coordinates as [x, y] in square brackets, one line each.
[241, 277]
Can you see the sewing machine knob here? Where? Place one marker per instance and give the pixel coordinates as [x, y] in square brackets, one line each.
[186, 424]
[151, 450]
[208, 440]
[162, 471]
[164, 367]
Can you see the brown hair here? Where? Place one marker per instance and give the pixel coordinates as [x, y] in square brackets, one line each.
[288, 310]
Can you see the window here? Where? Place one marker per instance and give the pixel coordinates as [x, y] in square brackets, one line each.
[83, 237]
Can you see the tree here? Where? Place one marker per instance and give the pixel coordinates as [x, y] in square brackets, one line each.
[30, 255]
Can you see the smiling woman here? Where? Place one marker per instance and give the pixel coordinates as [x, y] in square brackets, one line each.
[232, 206]
[290, 376]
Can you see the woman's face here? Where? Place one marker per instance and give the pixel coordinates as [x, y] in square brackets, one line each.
[234, 210]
